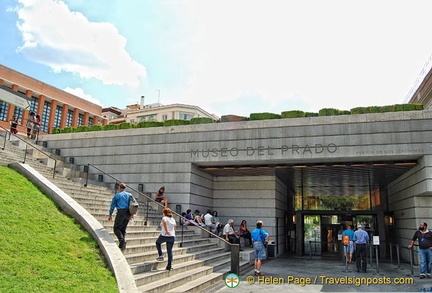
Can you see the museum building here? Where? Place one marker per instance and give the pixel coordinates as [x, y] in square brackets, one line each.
[20, 94]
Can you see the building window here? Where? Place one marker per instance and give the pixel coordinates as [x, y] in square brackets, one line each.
[34, 104]
[18, 112]
[45, 116]
[164, 117]
[80, 119]
[3, 110]
[184, 116]
[58, 115]
[90, 121]
[69, 118]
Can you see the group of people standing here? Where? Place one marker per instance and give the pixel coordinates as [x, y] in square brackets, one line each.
[258, 238]
[33, 125]
[357, 243]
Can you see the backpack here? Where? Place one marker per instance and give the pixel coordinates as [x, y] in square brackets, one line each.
[133, 206]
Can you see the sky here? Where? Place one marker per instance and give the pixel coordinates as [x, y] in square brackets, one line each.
[227, 57]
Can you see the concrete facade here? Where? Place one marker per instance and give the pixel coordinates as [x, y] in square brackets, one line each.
[248, 170]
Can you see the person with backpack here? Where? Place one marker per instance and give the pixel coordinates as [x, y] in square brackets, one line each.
[260, 238]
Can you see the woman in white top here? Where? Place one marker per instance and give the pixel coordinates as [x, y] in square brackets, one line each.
[167, 235]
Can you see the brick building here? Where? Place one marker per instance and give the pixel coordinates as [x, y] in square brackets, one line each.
[20, 94]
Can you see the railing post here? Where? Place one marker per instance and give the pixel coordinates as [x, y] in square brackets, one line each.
[412, 261]
[87, 176]
[4, 141]
[25, 154]
[55, 166]
[376, 257]
[310, 250]
[235, 259]
[397, 255]
[182, 229]
[391, 253]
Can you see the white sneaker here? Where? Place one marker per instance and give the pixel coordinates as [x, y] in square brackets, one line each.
[160, 258]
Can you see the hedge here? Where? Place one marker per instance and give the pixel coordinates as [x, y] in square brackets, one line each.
[311, 114]
[126, 125]
[68, 129]
[201, 120]
[174, 122]
[388, 108]
[293, 114]
[95, 128]
[56, 130]
[144, 124]
[264, 116]
[111, 127]
[81, 128]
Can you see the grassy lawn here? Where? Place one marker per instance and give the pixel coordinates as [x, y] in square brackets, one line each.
[41, 249]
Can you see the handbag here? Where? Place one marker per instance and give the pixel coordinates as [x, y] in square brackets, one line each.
[133, 206]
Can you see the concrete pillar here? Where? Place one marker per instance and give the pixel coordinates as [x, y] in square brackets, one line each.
[52, 115]
[86, 118]
[75, 118]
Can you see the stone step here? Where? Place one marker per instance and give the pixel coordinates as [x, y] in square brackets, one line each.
[149, 258]
[194, 263]
[200, 284]
[144, 277]
[175, 280]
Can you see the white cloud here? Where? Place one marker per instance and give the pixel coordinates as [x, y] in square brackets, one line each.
[79, 92]
[319, 53]
[67, 41]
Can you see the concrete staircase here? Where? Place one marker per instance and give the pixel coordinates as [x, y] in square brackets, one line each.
[199, 262]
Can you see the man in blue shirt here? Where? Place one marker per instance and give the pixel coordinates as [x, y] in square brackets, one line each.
[361, 238]
[121, 201]
[259, 239]
[349, 248]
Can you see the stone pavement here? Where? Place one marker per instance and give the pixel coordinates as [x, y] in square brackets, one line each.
[328, 275]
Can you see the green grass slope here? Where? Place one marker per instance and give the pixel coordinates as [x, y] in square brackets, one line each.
[42, 249]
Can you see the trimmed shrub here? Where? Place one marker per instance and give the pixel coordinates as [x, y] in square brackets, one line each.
[390, 108]
[233, 118]
[329, 112]
[264, 116]
[55, 130]
[359, 110]
[201, 120]
[95, 128]
[126, 125]
[311, 114]
[345, 112]
[144, 124]
[292, 114]
[68, 129]
[111, 127]
[81, 128]
[373, 109]
[174, 122]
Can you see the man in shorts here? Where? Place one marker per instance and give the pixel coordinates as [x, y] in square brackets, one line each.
[260, 238]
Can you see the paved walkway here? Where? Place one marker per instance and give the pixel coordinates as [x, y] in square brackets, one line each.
[299, 274]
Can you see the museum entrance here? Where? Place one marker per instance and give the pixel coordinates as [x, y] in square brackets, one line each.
[323, 232]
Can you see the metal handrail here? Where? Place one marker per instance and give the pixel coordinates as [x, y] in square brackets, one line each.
[235, 248]
[27, 144]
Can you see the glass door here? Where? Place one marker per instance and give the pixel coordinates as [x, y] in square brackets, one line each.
[312, 234]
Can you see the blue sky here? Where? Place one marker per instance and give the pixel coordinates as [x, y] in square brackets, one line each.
[228, 57]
